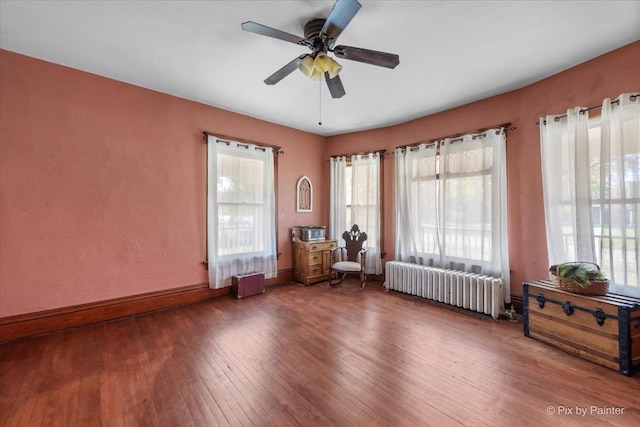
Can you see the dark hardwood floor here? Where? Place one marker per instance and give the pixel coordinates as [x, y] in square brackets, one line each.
[307, 356]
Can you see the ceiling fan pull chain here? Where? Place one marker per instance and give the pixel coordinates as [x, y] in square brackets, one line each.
[320, 102]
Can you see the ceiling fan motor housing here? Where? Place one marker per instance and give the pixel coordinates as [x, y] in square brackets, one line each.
[313, 28]
[313, 34]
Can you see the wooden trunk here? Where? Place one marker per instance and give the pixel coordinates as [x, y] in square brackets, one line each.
[246, 285]
[602, 329]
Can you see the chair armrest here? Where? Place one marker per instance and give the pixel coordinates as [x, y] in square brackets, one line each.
[363, 258]
[332, 254]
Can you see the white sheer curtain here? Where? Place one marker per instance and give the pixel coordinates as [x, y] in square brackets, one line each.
[619, 248]
[451, 204]
[564, 147]
[338, 202]
[416, 198]
[365, 205]
[591, 184]
[240, 211]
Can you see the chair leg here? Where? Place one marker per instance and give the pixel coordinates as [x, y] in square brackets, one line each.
[363, 279]
[338, 279]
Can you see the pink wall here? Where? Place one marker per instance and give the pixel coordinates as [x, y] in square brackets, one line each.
[103, 186]
[102, 189]
[585, 85]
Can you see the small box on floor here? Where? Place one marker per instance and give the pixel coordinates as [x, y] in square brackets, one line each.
[246, 285]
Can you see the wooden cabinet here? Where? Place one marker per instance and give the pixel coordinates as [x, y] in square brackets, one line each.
[602, 329]
[311, 260]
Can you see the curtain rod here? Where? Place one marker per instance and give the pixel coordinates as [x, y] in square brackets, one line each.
[381, 153]
[633, 97]
[507, 127]
[223, 138]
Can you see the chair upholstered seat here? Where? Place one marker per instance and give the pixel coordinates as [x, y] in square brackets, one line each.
[347, 266]
[351, 258]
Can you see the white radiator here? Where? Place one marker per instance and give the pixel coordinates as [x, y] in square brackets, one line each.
[474, 292]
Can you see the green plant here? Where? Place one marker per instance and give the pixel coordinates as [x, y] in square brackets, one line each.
[581, 273]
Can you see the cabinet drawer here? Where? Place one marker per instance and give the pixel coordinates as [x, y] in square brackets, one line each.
[320, 246]
[315, 258]
[315, 270]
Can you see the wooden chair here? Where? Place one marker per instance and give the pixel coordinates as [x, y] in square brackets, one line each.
[351, 258]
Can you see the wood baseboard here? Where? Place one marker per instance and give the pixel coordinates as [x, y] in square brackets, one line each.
[30, 324]
[517, 302]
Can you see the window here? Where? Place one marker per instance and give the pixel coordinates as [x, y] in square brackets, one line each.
[242, 204]
[356, 198]
[241, 218]
[451, 204]
[591, 183]
[614, 204]
[348, 188]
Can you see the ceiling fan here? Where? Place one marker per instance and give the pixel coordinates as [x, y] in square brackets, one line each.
[320, 36]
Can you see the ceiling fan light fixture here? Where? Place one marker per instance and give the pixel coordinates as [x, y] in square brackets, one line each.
[314, 68]
[306, 65]
[326, 64]
[322, 62]
[335, 68]
[316, 74]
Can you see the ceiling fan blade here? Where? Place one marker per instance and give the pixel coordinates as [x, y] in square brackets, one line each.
[335, 86]
[341, 14]
[283, 72]
[263, 30]
[373, 57]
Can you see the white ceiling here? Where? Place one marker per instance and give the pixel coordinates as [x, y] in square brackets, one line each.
[451, 52]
